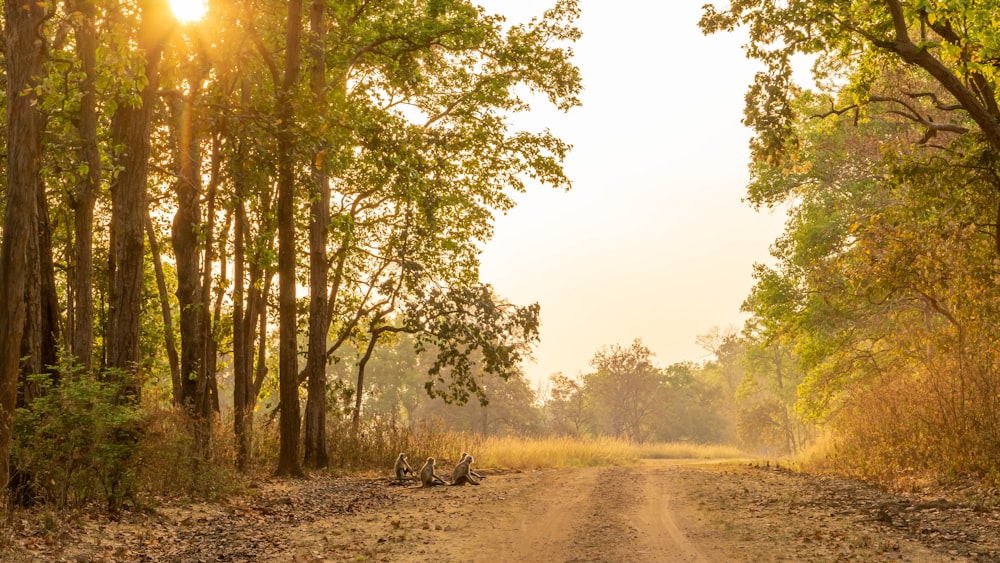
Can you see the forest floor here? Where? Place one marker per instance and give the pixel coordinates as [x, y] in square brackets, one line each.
[653, 511]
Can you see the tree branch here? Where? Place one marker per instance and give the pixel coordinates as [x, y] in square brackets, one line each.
[919, 56]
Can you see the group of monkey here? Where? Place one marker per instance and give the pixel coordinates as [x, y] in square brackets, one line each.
[461, 475]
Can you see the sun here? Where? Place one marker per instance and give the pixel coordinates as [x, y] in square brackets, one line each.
[188, 11]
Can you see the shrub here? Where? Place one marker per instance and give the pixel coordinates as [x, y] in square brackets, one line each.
[76, 442]
[171, 463]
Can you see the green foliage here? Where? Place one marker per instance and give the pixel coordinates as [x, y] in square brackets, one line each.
[77, 442]
[469, 326]
[567, 406]
[761, 427]
[877, 311]
[411, 127]
[952, 42]
[628, 397]
[696, 408]
[624, 390]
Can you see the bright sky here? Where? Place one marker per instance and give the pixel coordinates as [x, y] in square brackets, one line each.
[188, 10]
[653, 241]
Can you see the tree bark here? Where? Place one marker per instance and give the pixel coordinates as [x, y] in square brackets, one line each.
[213, 311]
[242, 335]
[289, 425]
[82, 311]
[41, 325]
[184, 239]
[130, 129]
[23, 58]
[252, 324]
[375, 332]
[249, 306]
[168, 322]
[956, 86]
[319, 266]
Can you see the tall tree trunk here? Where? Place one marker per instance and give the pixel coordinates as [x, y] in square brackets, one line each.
[360, 389]
[213, 323]
[288, 455]
[41, 325]
[130, 129]
[375, 332]
[168, 318]
[242, 331]
[82, 311]
[23, 58]
[50, 306]
[319, 266]
[184, 240]
[260, 372]
[193, 242]
[31, 342]
[245, 305]
[249, 313]
[253, 324]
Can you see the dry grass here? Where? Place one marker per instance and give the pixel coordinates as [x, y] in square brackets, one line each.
[817, 457]
[169, 463]
[684, 450]
[522, 453]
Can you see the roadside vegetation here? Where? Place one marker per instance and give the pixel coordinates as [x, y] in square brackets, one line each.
[877, 317]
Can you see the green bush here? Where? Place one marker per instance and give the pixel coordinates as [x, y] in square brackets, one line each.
[76, 442]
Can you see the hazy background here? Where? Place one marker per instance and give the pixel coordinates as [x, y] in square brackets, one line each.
[653, 241]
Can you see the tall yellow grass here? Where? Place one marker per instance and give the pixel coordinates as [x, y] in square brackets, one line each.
[820, 456]
[684, 450]
[378, 444]
[521, 453]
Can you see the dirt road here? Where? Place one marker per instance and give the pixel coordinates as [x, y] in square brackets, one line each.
[657, 511]
[596, 514]
[669, 512]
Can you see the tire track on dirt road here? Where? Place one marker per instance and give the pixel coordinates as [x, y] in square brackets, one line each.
[610, 514]
[658, 521]
[544, 520]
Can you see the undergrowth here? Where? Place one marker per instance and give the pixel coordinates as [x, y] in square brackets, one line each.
[75, 447]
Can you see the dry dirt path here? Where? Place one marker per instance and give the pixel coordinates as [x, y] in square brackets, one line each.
[594, 514]
[656, 511]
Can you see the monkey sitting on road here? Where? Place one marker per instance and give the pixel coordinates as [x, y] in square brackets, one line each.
[428, 478]
[471, 471]
[462, 474]
[402, 468]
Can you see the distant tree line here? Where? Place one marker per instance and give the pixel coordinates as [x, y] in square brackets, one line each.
[626, 395]
[732, 398]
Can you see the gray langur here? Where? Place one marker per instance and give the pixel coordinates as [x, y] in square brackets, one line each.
[471, 471]
[428, 478]
[402, 468]
[462, 474]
